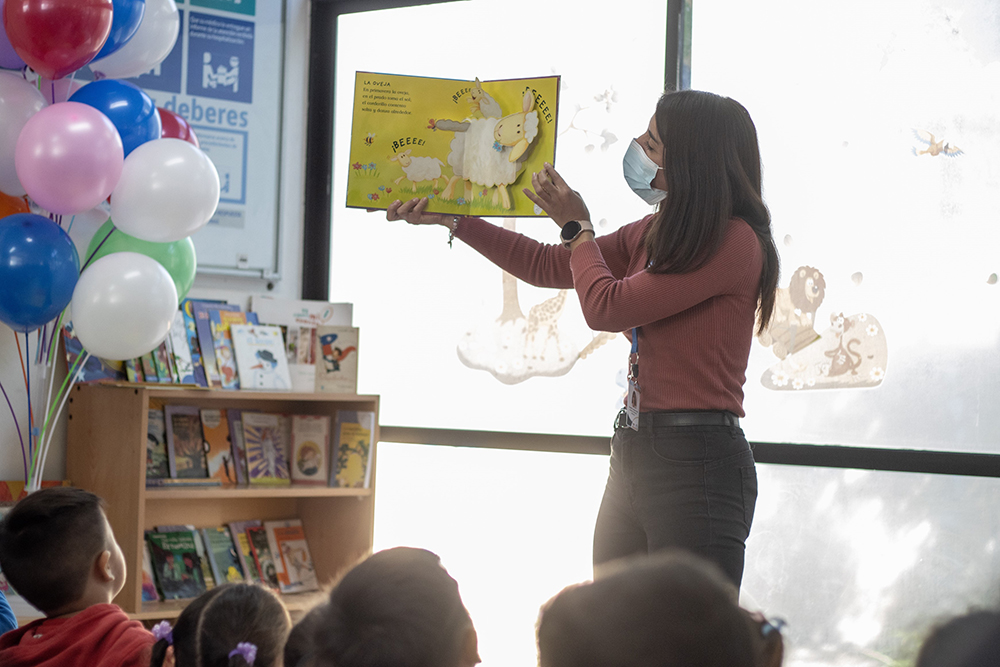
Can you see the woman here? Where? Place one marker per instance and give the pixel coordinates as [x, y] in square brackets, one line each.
[686, 285]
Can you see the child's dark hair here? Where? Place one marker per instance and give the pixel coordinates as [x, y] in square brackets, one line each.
[397, 608]
[211, 629]
[300, 649]
[48, 543]
[970, 640]
[669, 610]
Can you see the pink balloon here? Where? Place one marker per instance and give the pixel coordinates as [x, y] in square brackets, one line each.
[69, 157]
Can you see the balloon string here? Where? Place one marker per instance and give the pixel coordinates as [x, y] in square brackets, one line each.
[71, 223]
[27, 383]
[17, 427]
[24, 374]
[71, 375]
[87, 263]
[54, 342]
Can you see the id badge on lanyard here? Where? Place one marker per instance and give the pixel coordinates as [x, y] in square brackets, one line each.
[634, 392]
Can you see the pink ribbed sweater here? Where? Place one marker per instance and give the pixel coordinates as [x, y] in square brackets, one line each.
[695, 328]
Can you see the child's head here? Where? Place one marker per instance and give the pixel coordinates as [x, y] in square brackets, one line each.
[300, 649]
[397, 608]
[668, 610]
[964, 641]
[215, 629]
[58, 551]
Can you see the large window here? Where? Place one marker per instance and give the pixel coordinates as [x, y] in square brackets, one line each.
[881, 169]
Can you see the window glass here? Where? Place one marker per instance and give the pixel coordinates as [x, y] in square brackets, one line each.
[860, 564]
[877, 123]
[415, 299]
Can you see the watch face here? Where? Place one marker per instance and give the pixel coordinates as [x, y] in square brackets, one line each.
[570, 230]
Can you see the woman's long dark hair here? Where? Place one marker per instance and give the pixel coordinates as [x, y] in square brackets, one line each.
[711, 162]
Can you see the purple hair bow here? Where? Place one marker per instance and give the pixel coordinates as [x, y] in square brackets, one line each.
[247, 650]
[162, 630]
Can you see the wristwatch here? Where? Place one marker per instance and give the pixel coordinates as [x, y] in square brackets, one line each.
[571, 231]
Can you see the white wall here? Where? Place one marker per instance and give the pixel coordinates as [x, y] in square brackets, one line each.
[236, 290]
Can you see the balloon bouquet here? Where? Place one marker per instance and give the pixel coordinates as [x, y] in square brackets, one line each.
[65, 149]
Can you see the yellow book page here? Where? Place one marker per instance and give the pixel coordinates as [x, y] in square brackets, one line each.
[470, 147]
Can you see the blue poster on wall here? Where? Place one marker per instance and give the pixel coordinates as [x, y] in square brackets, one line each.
[220, 58]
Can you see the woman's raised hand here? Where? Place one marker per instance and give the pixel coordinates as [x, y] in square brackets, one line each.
[412, 211]
[555, 197]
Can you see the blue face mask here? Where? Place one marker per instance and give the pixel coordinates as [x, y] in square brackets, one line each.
[639, 174]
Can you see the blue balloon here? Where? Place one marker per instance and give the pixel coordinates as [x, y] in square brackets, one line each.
[39, 268]
[125, 19]
[130, 110]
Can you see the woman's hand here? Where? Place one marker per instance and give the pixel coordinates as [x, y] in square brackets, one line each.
[413, 212]
[557, 199]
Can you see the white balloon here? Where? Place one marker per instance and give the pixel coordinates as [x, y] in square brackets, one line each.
[19, 101]
[168, 190]
[149, 46]
[123, 306]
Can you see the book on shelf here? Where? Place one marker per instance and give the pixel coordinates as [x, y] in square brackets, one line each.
[310, 462]
[175, 564]
[148, 362]
[203, 326]
[199, 546]
[149, 592]
[183, 482]
[95, 369]
[260, 357]
[337, 359]
[157, 463]
[238, 530]
[225, 358]
[235, 419]
[299, 319]
[292, 561]
[180, 351]
[266, 438]
[133, 371]
[222, 556]
[352, 443]
[218, 448]
[162, 360]
[191, 334]
[264, 559]
[185, 443]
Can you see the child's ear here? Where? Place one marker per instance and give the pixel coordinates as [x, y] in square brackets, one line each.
[470, 649]
[103, 566]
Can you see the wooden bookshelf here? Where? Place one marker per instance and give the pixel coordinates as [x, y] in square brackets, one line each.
[106, 454]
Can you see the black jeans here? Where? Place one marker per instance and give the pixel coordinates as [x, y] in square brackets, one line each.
[692, 487]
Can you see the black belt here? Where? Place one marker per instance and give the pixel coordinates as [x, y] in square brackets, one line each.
[707, 418]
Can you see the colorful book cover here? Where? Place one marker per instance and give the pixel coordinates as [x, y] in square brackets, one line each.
[185, 443]
[299, 319]
[133, 370]
[218, 449]
[199, 545]
[267, 449]
[157, 461]
[191, 333]
[292, 562]
[176, 565]
[352, 447]
[13, 490]
[310, 449]
[95, 369]
[260, 357]
[222, 555]
[239, 449]
[473, 157]
[180, 351]
[238, 529]
[162, 360]
[337, 360]
[203, 326]
[149, 593]
[148, 361]
[225, 359]
[263, 557]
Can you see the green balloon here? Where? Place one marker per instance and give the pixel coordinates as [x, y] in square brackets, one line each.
[178, 258]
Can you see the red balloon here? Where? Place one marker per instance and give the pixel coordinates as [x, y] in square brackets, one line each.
[10, 205]
[57, 37]
[175, 127]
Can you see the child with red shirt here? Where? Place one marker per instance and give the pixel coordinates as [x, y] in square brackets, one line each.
[59, 552]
